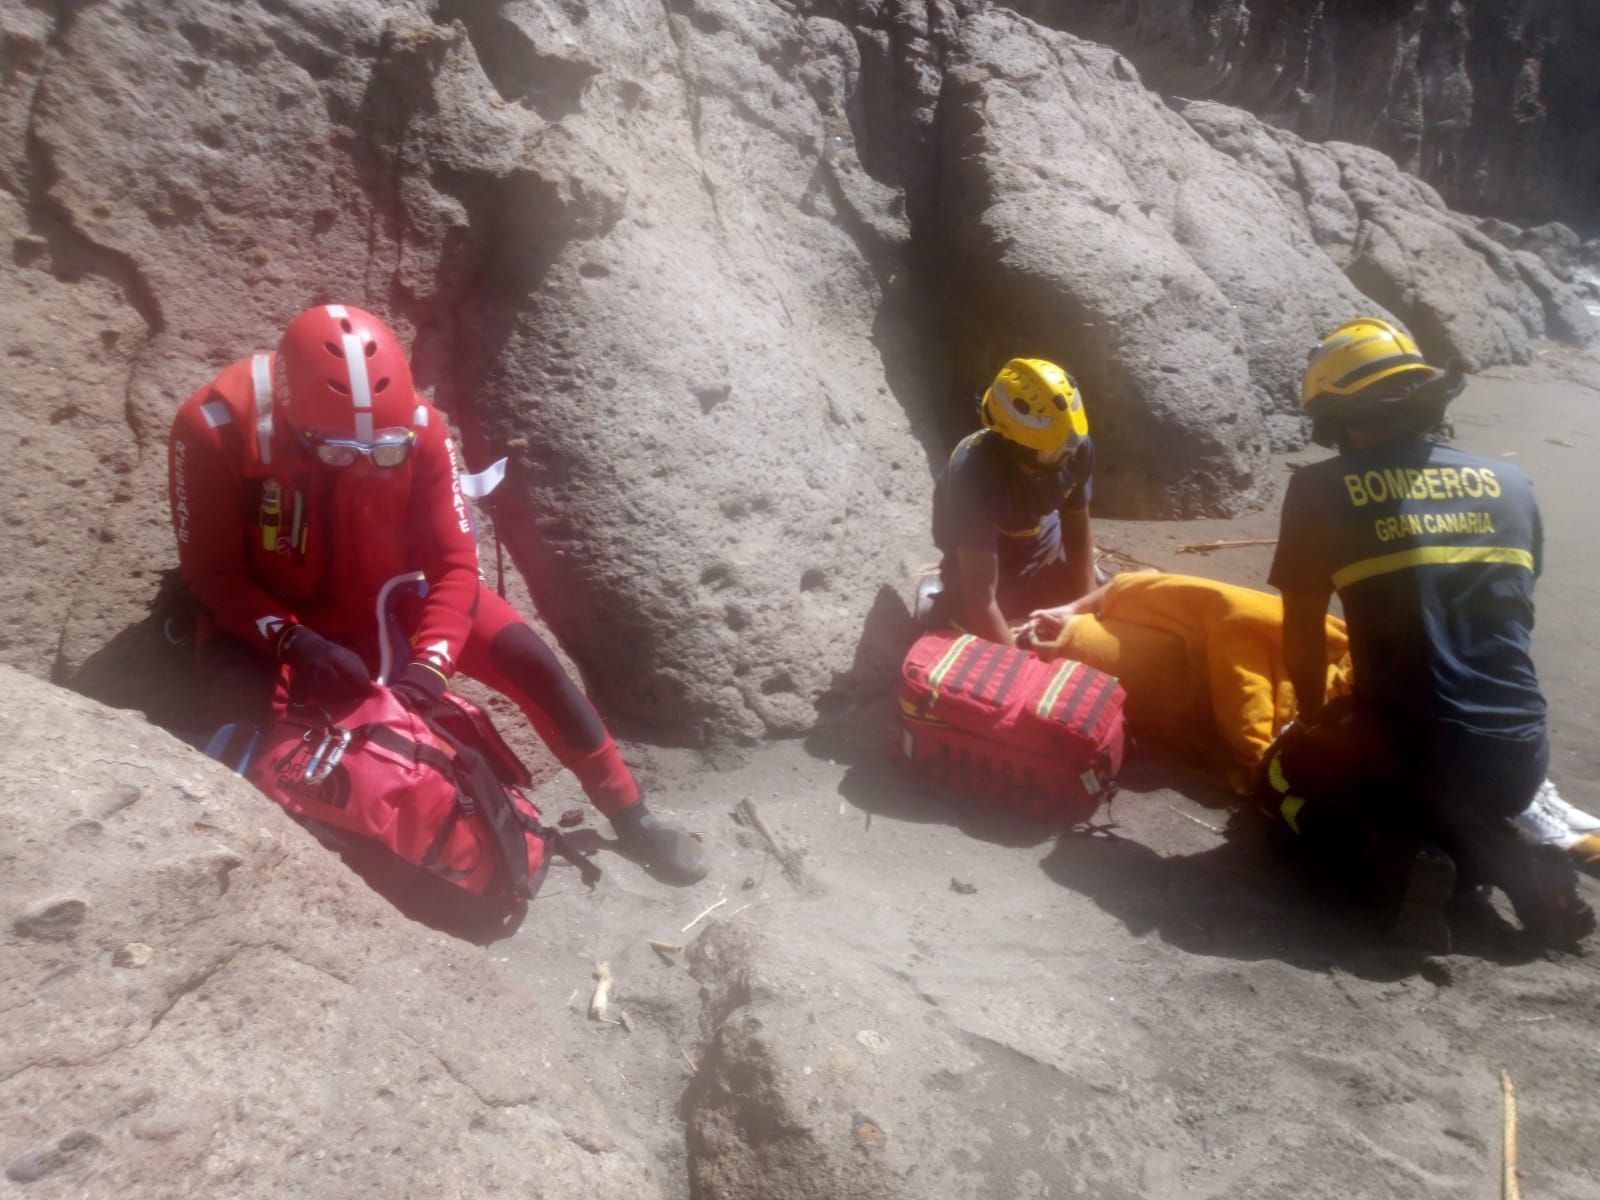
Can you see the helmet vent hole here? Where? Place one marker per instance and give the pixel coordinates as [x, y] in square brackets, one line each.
[372, 348]
[1061, 403]
[344, 324]
[381, 384]
[338, 387]
[333, 349]
[1021, 405]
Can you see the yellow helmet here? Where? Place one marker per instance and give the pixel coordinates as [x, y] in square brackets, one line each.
[1035, 404]
[1352, 360]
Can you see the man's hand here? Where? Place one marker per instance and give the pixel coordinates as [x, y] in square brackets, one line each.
[418, 688]
[324, 670]
[1045, 624]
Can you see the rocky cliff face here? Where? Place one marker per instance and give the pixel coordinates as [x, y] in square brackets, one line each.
[1490, 101]
[721, 279]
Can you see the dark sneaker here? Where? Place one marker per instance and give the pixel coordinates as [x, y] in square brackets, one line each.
[1420, 921]
[668, 853]
[1542, 885]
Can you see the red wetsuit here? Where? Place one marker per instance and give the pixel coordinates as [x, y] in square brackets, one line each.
[267, 539]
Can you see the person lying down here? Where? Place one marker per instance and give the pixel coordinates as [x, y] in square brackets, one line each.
[1201, 662]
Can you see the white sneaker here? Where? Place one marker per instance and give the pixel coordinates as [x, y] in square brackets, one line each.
[1540, 825]
[1574, 819]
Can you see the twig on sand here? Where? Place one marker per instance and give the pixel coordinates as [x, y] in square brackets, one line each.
[1509, 1188]
[745, 810]
[1196, 820]
[1224, 544]
[665, 949]
[602, 991]
[1103, 551]
[688, 1060]
[704, 915]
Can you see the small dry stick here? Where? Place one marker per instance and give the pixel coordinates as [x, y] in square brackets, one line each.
[602, 991]
[1196, 820]
[664, 947]
[1225, 544]
[704, 915]
[1101, 550]
[747, 810]
[1509, 1188]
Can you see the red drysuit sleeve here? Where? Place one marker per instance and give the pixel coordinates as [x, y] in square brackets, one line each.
[205, 489]
[447, 549]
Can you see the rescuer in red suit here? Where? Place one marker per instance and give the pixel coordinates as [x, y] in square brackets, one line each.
[300, 483]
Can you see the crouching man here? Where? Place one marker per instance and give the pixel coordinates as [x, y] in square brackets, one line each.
[301, 481]
[1434, 554]
[1011, 512]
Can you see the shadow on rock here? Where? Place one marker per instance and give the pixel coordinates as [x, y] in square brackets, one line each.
[427, 899]
[149, 666]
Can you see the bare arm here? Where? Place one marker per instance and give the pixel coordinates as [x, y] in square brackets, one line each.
[1305, 649]
[1077, 540]
[978, 606]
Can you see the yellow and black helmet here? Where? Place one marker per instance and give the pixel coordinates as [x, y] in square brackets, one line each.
[1356, 358]
[1034, 403]
[1369, 372]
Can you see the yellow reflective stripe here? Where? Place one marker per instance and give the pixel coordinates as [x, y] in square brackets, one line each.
[1275, 775]
[942, 668]
[1063, 673]
[1423, 555]
[1021, 532]
[1290, 808]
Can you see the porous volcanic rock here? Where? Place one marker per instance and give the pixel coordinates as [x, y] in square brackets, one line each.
[199, 1000]
[1463, 293]
[720, 278]
[1492, 101]
[714, 481]
[828, 1077]
[1095, 228]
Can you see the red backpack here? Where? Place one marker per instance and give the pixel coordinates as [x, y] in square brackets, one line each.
[1043, 738]
[440, 793]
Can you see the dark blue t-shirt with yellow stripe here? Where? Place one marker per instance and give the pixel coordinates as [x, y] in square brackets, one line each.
[1434, 553]
[989, 501]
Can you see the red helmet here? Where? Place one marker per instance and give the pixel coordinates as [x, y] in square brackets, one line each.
[342, 373]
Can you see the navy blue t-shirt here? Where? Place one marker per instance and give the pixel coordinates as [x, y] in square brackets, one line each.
[988, 501]
[1434, 553]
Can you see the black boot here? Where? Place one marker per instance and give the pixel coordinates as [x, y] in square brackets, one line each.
[1542, 885]
[1427, 882]
[1540, 881]
[668, 853]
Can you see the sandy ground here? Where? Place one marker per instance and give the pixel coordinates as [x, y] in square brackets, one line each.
[1234, 1031]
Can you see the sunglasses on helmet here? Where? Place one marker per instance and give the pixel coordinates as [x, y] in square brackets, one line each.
[388, 448]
